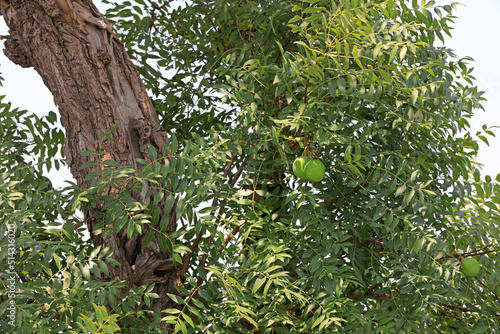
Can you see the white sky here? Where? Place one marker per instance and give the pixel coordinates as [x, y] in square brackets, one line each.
[476, 34]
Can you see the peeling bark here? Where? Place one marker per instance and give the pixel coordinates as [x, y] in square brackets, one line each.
[73, 48]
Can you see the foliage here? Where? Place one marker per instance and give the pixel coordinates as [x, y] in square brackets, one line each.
[245, 88]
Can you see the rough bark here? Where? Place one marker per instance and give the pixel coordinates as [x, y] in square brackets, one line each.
[73, 48]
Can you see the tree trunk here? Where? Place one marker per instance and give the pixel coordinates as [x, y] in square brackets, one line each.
[72, 46]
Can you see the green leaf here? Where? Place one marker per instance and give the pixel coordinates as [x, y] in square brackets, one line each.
[152, 151]
[400, 190]
[148, 237]
[414, 96]
[257, 284]
[174, 144]
[176, 298]
[89, 152]
[111, 163]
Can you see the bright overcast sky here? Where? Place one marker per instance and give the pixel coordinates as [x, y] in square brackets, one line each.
[476, 34]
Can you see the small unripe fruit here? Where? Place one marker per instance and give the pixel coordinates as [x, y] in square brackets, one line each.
[315, 171]
[470, 267]
[497, 290]
[299, 165]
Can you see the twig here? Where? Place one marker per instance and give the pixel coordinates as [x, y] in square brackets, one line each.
[227, 169]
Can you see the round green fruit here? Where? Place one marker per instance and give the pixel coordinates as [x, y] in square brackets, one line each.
[315, 171]
[497, 290]
[299, 165]
[470, 267]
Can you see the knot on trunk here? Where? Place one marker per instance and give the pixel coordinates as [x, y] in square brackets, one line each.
[51, 8]
[152, 270]
[16, 52]
[104, 57]
[143, 129]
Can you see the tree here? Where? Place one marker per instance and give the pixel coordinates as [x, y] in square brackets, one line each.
[183, 167]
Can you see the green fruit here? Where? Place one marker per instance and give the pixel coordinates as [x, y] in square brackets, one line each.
[298, 167]
[470, 267]
[315, 170]
[497, 290]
